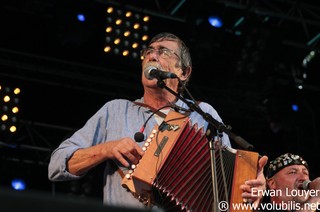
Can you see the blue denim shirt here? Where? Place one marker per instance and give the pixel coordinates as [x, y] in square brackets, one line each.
[116, 119]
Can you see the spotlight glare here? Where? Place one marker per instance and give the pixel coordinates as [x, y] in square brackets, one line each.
[18, 184]
[215, 21]
[15, 110]
[4, 117]
[145, 37]
[109, 29]
[136, 26]
[128, 14]
[295, 107]
[6, 98]
[126, 33]
[146, 18]
[107, 49]
[118, 22]
[81, 17]
[135, 45]
[13, 129]
[125, 53]
[117, 41]
[109, 10]
[16, 91]
[9, 109]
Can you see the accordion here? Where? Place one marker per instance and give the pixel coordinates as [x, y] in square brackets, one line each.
[182, 170]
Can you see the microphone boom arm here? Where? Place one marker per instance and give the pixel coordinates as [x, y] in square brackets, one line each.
[220, 126]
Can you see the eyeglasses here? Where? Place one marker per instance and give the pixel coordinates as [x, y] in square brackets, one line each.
[164, 53]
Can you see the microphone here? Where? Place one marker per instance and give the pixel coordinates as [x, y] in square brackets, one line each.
[152, 72]
[306, 185]
[138, 137]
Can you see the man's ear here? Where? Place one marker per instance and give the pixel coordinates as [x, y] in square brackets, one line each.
[186, 74]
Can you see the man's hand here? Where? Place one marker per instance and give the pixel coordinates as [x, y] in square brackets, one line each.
[125, 150]
[259, 184]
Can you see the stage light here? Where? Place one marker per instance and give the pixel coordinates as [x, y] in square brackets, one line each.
[309, 58]
[215, 21]
[9, 110]
[110, 10]
[126, 32]
[18, 184]
[108, 29]
[81, 17]
[107, 49]
[135, 45]
[295, 107]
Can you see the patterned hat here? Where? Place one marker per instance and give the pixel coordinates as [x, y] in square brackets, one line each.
[283, 161]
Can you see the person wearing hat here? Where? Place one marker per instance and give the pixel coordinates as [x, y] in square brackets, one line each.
[289, 187]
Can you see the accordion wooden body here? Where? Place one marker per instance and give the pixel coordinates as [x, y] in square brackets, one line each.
[181, 171]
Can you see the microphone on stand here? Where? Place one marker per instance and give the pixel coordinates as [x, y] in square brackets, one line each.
[152, 72]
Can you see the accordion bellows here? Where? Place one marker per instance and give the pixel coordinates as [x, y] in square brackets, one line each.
[177, 172]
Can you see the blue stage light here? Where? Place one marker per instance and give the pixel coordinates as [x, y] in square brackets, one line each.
[18, 184]
[295, 107]
[81, 17]
[215, 21]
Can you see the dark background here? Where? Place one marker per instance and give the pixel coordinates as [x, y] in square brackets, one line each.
[248, 72]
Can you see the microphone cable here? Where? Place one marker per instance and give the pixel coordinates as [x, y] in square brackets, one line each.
[139, 136]
[189, 94]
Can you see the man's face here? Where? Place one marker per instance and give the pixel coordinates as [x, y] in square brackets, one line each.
[165, 62]
[288, 181]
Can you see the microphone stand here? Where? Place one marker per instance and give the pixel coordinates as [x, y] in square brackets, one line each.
[218, 125]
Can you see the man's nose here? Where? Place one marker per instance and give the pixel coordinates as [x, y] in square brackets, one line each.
[303, 177]
[154, 55]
